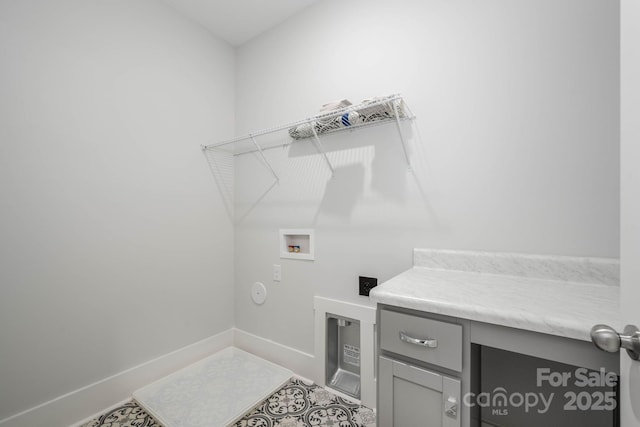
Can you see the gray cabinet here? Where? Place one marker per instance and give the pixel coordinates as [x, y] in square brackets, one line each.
[431, 365]
[409, 396]
[420, 366]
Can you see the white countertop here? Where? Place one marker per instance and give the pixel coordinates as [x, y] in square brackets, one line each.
[557, 307]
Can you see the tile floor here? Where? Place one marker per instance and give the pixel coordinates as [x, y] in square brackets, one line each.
[296, 404]
[127, 415]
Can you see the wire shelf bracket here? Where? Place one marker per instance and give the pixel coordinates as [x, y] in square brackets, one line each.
[321, 150]
[264, 159]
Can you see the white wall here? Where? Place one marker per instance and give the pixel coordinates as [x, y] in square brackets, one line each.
[630, 202]
[115, 244]
[515, 145]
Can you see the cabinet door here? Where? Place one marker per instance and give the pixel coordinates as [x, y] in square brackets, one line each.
[413, 397]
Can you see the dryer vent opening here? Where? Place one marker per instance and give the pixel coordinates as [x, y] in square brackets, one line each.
[343, 355]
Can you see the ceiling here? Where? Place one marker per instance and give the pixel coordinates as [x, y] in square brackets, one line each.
[238, 21]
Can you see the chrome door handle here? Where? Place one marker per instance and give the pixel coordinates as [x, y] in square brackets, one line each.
[607, 339]
[417, 341]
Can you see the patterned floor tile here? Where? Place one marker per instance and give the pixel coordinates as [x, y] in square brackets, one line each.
[127, 415]
[296, 404]
[300, 404]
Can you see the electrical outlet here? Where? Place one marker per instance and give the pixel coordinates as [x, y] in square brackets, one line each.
[366, 284]
[277, 273]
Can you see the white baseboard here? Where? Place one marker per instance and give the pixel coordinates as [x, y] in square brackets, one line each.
[91, 400]
[302, 364]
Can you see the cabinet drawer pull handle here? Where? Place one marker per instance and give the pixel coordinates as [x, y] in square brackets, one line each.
[425, 343]
[451, 407]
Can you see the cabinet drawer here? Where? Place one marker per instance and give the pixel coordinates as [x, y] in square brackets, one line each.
[428, 340]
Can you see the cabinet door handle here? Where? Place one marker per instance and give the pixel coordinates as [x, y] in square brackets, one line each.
[451, 407]
[417, 341]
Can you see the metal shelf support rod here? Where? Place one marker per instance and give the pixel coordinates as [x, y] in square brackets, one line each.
[404, 143]
[320, 148]
[264, 159]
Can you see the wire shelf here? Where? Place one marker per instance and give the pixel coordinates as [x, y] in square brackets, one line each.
[388, 109]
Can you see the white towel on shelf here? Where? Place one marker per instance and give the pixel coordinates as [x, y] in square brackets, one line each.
[337, 105]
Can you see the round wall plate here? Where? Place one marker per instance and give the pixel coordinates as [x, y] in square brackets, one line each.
[258, 293]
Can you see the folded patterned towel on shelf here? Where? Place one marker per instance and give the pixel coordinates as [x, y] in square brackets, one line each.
[302, 131]
[381, 111]
[346, 115]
